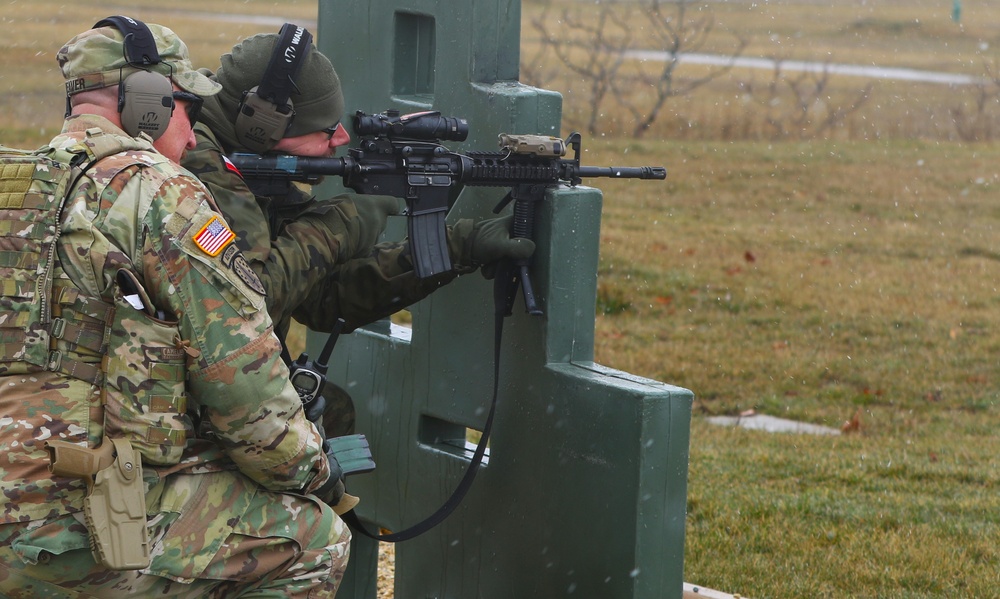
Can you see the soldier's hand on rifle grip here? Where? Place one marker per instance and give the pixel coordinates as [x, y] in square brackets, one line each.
[333, 490]
[373, 213]
[347, 454]
[490, 241]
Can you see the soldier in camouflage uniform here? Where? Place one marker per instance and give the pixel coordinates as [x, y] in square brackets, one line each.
[282, 237]
[303, 279]
[159, 317]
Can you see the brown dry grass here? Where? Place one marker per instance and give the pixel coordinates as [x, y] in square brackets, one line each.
[915, 34]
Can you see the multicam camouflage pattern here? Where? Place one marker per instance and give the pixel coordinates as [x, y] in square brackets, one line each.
[136, 211]
[144, 395]
[32, 187]
[96, 58]
[291, 546]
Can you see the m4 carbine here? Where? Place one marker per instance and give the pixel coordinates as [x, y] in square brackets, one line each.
[403, 156]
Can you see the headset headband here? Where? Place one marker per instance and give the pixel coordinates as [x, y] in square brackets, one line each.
[145, 99]
[140, 47]
[290, 52]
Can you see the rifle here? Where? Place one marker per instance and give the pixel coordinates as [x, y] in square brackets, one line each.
[403, 156]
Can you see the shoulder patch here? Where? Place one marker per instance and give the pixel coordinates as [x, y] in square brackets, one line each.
[234, 260]
[230, 166]
[214, 236]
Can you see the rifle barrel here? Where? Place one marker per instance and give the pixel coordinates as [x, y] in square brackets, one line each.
[622, 172]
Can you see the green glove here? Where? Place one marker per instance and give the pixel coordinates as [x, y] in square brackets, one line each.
[347, 455]
[333, 489]
[374, 211]
[485, 242]
[346, 226]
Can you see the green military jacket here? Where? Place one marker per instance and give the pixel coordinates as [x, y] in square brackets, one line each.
[136, 210]
[294, 244]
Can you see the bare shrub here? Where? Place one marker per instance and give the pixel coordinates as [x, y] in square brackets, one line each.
[678, 32]
[978, 121]
[800, 106]
[595, 46]
[630, 67]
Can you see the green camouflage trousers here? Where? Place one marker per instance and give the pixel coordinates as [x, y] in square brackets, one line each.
[274, 545]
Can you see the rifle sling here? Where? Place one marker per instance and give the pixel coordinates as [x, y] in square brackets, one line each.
[499, 298]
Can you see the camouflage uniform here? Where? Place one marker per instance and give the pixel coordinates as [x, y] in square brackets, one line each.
[291, 244]
[295, 243]
[235, 506]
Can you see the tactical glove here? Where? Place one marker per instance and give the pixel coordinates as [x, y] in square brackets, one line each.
[350, 223]
[356, 455]
[374, 211]
[333, 489]
[315, 409]
[487, 241]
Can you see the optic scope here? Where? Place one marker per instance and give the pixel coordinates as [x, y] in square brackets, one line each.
[425, 126]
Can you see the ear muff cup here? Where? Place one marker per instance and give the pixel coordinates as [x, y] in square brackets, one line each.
[265, 111]
[145, 101]
[260, 124]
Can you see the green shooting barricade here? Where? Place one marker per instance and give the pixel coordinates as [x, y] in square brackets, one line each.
[583, 494]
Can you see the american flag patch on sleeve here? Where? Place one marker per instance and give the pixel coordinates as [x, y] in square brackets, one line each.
[213, 236]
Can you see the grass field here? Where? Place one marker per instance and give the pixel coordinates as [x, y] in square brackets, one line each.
[815, 282]
[815, 279]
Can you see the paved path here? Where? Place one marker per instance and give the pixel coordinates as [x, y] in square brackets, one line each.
[854, 70]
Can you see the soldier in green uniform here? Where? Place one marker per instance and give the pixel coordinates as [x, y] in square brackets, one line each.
[305, 280]
[130, 320]
[298, 110]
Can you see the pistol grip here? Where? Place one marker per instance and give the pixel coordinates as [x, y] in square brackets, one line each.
[70, 459]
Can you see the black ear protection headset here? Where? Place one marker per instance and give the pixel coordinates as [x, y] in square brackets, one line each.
[266, 111]
[145, 98]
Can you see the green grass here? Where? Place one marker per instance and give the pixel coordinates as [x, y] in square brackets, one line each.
[843, 271]
[808, 281]
[906, 514]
